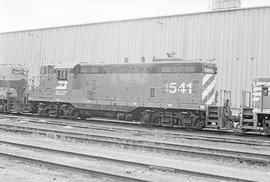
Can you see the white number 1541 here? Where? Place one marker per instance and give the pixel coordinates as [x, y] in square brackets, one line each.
[173, 87]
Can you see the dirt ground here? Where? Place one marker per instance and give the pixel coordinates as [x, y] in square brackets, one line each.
[12, 170]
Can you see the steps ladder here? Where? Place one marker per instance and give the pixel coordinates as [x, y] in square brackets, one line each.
[212, 117]
[219, 115]
[247, 120]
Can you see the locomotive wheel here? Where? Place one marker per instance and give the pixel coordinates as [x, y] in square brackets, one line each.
[44, 112]
[156, 121]
[175, 122]
[75, 114]
[4, 108]
[145, 118]
[82, 117]
[60, 113]
[198, 124]
[180, 123]
[266, 126]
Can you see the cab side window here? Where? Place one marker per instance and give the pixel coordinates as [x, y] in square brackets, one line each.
[178, 69]
[190, 68]
[62, 74]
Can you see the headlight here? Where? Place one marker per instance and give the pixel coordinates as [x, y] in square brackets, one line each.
[202, 106]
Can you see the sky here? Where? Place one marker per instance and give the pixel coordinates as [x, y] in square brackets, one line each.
[32, 14]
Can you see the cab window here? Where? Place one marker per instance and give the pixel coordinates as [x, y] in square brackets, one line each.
[62, 74]
[207, 68]
[94, 70]
[191, 68]
[85, 70]
[152, 69]
[166, 69]
[89, 70]
[177, 69]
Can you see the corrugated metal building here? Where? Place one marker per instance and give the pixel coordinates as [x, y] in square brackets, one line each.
[239, 41]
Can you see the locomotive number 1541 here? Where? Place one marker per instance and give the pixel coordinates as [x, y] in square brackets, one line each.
[173, 87]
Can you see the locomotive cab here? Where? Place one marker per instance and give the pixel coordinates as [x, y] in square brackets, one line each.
[64, 76]
[49, 97]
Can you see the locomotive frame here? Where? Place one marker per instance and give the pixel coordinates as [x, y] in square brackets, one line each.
[170, 91]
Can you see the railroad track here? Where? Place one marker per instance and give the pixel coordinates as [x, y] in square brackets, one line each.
[137, 129]
[103, 173]
[74, 168]
[147, 145]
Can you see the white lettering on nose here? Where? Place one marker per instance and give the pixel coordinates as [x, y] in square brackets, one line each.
[61, 85]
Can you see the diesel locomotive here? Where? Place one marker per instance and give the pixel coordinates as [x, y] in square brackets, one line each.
[13, 88]
[167, 91]
[255, 107]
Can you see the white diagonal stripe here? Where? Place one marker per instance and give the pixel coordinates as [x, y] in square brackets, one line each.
[206, 78]
[257, 89]
[211, 100]
[260, 83]
[257, 94]
[208, 89]
[255, 99]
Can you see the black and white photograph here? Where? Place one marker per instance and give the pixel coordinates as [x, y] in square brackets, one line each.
[134, 90]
